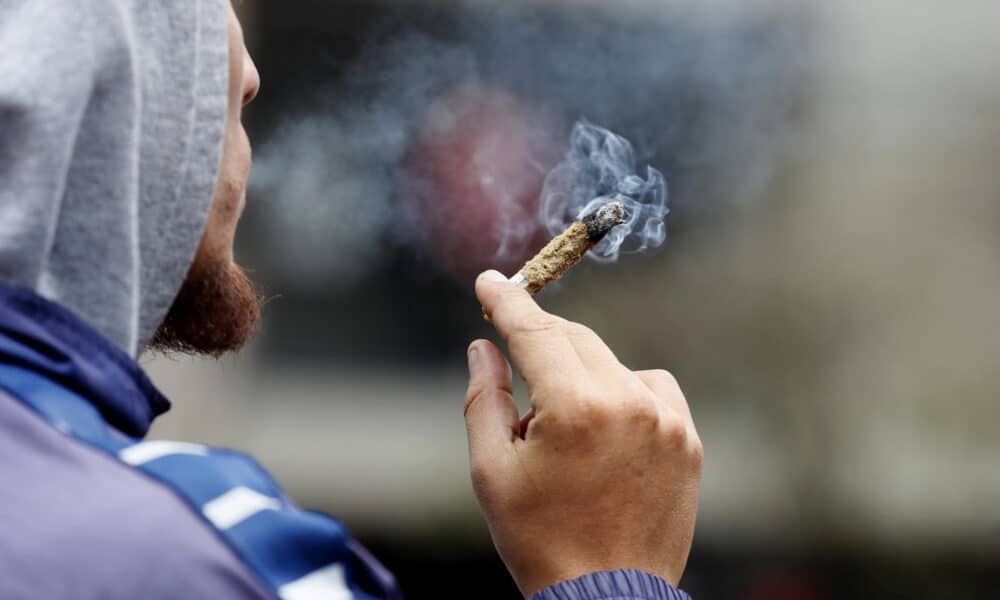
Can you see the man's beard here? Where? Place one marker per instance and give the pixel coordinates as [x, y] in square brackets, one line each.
[216, 311]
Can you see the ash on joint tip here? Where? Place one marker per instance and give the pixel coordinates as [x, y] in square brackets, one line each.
[604, 219]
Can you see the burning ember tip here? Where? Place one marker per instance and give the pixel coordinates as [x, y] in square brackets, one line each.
[604, 219]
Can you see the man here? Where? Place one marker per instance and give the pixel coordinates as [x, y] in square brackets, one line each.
[123, 163]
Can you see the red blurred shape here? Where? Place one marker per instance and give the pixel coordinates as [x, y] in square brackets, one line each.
[474, 175]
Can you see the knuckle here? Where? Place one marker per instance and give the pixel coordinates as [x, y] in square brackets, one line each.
[591, 417]
[641, 411]
[475, 392]
[482, 482]
[674, 434]
[666, 379]
[590, 407]
[697, 453]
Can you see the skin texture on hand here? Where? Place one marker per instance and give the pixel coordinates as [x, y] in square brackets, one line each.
[603, 475]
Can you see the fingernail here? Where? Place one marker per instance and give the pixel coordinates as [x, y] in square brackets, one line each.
[493, 276]
[473, 359]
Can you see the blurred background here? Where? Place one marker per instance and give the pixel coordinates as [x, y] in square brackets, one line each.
[827, 295]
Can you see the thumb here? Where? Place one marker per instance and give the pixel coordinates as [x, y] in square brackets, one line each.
[491, 417]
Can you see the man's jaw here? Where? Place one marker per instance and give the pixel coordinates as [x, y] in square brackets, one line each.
[217, 310]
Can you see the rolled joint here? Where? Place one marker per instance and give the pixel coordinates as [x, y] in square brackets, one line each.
[568, 248]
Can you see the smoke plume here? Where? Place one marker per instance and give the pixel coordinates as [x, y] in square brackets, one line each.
[704, 95]
[599, 168]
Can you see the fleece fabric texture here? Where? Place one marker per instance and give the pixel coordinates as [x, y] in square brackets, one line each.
[625, 584]
[112, 116]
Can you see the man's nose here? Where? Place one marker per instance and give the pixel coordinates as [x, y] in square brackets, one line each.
[251, 79]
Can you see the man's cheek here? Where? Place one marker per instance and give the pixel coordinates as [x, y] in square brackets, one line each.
[229, 202]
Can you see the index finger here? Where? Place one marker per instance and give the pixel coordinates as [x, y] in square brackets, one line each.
[537, 343]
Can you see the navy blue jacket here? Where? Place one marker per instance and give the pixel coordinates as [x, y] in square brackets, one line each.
[90, 510]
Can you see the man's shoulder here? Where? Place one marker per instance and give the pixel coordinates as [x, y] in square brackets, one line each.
[79, 523]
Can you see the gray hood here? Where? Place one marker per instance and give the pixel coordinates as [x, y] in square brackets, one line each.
[112, 116]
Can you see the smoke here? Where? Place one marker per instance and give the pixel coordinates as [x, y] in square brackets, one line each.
[331, 199]
[705, 95]
[599, 168]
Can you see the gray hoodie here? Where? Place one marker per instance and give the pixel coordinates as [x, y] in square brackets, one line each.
[112, 115]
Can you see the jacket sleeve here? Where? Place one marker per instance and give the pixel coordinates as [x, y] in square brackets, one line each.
[613, 585]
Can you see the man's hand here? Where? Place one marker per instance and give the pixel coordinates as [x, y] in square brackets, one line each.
[602, 474]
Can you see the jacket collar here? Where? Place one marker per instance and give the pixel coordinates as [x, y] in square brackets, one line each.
[46, 338]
